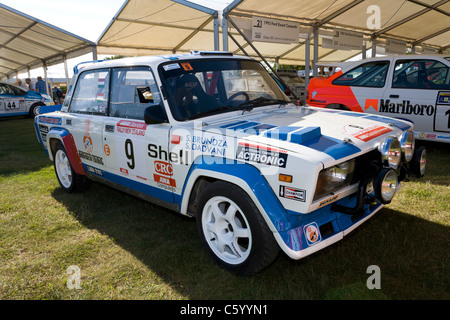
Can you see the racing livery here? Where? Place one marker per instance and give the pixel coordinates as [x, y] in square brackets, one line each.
[15, 101]
[414, 88]
[212, 136]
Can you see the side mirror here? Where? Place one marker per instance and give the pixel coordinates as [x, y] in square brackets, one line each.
[155, 114]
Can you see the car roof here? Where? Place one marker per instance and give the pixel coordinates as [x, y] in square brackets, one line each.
[156, 60]
[353, 64]
[12, 84]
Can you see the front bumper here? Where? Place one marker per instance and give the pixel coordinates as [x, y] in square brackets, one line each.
[325, 226]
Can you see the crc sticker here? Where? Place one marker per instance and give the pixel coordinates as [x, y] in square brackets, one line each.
[292, 193]
[312, 233]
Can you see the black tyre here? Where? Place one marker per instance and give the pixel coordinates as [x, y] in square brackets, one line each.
[232, 230]
[34, 109]
[69, 180]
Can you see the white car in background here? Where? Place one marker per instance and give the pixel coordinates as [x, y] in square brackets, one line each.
[415, 88]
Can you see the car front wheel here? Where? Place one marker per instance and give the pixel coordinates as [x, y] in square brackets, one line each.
[233, 231]
[69, 180]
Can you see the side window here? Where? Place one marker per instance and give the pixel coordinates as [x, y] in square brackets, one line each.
[371, 74]
[421, 74]
[132, 90]
[91, 93]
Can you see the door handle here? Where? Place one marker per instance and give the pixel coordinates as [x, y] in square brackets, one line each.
[109, 128]
[395, 96]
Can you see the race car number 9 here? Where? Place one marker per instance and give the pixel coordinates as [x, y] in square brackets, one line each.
[129, 152]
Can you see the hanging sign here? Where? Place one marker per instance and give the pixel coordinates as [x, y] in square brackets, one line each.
[395, 47]
[344, 40]
[275, 31]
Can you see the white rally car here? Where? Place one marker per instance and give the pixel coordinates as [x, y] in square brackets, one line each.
[415, 88]
[212, 136]
[16, 101]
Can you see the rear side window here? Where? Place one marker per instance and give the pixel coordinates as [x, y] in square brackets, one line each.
[371, 74]
[91, 93]
[132, 90]
[421, 74]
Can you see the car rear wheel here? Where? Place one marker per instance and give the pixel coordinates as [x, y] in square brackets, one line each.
[69, 180]
[233, 231]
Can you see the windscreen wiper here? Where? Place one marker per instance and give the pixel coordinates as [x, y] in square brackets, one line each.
[261, 101]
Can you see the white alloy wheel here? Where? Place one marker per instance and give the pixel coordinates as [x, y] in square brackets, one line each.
[63, 169]
[226, 230]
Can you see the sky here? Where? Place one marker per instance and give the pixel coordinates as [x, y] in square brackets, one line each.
[84, 18]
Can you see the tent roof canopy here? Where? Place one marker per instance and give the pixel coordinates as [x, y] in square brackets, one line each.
[27, 42]
[143, 27]
[419, 23]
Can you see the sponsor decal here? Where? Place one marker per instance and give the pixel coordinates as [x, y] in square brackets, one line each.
[212, 145]
[172, 66]
[371, 103]
[328, 201]
[164, 180]
[158, 152]
[50, 120]
[312, 233]
[95, 170]
[44, 131]
[186, 66]
[107, 150]
[88, 146]
[261, 154]
[405, 107]
[90, 157]
[443, 98]
[131, 127]
[371, 133]
[164, 168]
[292, 193]
[365, 132]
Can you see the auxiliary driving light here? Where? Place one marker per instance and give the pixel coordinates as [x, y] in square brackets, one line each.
[385, 185]
[407, 142]
[391, 152]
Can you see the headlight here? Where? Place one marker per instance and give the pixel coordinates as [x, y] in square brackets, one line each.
[385, 185]
[334, 178]
[407, 143]
[391, 152]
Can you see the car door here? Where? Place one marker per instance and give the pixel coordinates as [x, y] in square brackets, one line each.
[367, 84]
[87, 113]
[413, 92]
[136, 154]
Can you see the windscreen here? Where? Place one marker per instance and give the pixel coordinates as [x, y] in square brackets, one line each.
[201, 87]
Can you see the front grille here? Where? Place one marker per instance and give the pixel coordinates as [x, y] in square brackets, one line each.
[367, 166]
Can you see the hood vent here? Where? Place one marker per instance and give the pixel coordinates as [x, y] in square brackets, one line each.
[292, 134]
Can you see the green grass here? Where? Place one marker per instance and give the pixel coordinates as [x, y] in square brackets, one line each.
[129, 249]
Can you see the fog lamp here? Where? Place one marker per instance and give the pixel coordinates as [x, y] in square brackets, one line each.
[385, 185]
[407, 142]
[391, 152]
